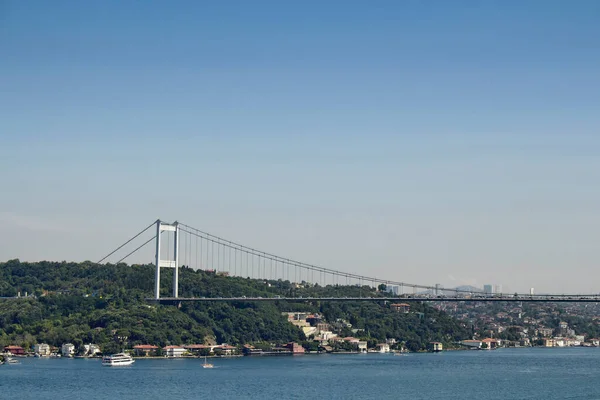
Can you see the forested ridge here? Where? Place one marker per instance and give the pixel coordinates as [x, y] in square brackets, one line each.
[105, 304]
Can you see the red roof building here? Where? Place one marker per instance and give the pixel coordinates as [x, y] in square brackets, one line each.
[15, 350]
[145, 350]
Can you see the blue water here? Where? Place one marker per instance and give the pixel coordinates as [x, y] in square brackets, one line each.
[502, 374]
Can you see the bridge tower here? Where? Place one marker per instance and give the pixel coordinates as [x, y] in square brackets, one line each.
[161, 263]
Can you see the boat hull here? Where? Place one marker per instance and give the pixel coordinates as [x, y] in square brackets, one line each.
[117, 363]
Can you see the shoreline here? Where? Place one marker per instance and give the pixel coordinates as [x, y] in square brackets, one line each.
[394, 353]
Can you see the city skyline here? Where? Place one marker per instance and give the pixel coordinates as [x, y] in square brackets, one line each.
[425, 143]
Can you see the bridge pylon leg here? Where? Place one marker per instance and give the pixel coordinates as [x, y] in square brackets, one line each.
[176, 257]
[161, 263]
[157, 275]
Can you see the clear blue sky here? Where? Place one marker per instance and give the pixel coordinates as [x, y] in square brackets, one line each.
[431, 142]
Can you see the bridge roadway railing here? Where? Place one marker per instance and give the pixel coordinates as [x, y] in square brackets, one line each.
[498, 298]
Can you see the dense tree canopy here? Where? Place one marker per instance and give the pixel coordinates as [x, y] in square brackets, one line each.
[105, 304]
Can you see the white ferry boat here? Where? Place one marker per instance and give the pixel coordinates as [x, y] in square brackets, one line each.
[117, 360]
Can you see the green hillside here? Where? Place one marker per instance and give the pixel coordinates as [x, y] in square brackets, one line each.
[104, 304]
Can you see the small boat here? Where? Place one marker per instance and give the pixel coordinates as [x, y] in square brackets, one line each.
[207, 365]
[117, 360]
[12, 361]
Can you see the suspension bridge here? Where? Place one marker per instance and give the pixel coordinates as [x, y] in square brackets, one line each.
[177, 244]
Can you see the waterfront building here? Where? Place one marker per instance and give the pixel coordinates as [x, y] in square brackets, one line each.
[68, 350]
[42, 349]
[362, 346]
[227, 350]
[490, 344]
[91, 350]
[471, 344]
[15, 350]
[436, 346]
[295, 348]
[145, 350]
[174, 351]
[249, 350]
[488, 289]
[383, 348]
[198, 349]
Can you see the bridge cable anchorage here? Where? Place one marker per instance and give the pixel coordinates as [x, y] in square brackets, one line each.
[126, 243]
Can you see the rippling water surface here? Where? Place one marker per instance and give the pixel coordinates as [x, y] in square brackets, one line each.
[502, 374]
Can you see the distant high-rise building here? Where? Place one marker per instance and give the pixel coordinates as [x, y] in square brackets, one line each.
[438, 290]
[498, 289]
[395, 289]
[531, 291]
[488, 289]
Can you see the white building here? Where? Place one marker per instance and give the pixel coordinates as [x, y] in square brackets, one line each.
[42, 349]
[362, 346]
[326, 335]
[90, 350]
[174, 351]
[383, 348]
[68, 350]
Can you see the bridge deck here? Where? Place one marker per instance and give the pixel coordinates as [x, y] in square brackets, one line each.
[548, 299]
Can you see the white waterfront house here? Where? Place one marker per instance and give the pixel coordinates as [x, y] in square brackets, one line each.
[90, 350]
[174, 351]
[42, 349]
[383, 348]
[362, 346]
[68, 350]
